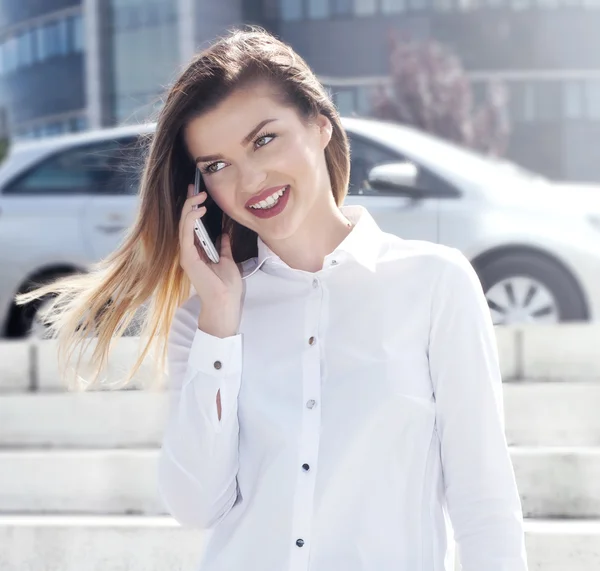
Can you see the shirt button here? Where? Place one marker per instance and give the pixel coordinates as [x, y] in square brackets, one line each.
[305, 467]
[334, 262]
[217, 364]
[311, 403]
[312, 341]
[315, 283]
[299, 542]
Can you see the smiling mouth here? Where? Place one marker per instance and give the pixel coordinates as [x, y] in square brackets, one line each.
[270, 201]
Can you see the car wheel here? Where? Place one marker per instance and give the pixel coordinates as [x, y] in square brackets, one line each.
[525, 288]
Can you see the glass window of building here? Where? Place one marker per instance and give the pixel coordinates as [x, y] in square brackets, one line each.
[138, 78]
[344, 101]
[63, 36]
[365, 7]
[318, 9]
[40, 43]
[25, 52]
[341, 7]
[78, 33]
[548, 100]
[442, 5]
[11, 54]
[520, 4]
[592, 98]
[573, 99]
[529, 102]
[48, 40]
[393, 6]
[364, 104]
[291, 10]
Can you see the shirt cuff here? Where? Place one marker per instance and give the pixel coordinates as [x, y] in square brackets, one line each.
[216, 356]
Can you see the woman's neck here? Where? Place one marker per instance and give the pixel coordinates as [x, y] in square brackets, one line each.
[320, 236]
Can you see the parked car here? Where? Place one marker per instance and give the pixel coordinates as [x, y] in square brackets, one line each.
[66, 202]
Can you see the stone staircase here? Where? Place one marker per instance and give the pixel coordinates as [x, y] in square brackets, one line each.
[78, 478]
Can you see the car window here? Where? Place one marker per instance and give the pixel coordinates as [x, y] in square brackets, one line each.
[367, 154]
[364, 155]
[111, 167]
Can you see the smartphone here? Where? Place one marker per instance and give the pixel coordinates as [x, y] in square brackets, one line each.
[205, 241]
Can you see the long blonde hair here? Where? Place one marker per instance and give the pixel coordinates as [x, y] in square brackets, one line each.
[142, 279]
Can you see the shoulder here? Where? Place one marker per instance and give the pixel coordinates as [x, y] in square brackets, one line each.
[431, 257]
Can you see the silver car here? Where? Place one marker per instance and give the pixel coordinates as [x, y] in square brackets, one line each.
[66, 202]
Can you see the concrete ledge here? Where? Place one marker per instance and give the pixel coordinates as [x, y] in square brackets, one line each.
[123, 356]
[568, 351]
[79, 481]
[558, 482]
[508, 352]
[552, 482]
[552, 414]
[105, 419]
[158, 544]
[536, 413]
[15, 366]
[537, 352]
[97, 544]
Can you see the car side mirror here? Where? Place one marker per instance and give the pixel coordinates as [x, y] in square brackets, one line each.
[398, 178]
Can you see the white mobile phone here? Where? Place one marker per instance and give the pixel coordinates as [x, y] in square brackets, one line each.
[200, 229]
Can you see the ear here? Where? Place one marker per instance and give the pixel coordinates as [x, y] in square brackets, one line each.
[325, 129]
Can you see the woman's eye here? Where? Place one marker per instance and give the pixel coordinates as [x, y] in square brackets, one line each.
[210, 170]
[262, 138]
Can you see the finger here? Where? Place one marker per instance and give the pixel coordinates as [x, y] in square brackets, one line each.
[225, 249]
[193, 201]
[187, 237]
[190, 205]
[190, 190]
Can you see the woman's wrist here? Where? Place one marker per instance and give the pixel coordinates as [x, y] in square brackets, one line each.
[221, 323]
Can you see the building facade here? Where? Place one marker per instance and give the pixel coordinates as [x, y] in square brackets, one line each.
[69, 65]
[42, 46]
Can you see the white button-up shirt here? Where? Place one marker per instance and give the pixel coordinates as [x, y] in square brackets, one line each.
[362, 423]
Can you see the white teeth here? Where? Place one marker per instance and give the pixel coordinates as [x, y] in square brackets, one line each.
[269, 201]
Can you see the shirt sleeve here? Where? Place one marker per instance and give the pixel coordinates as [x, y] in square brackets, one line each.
[481, 491]
[198, 461]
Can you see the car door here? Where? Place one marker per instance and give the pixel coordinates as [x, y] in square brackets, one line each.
[113, 200]
[40, 221]
[394, 213]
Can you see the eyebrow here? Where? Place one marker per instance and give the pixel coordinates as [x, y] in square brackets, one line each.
[246, 140]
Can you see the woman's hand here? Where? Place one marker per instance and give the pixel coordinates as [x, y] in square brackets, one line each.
[219, 286]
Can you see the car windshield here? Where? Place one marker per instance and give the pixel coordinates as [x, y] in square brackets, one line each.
[437, 154]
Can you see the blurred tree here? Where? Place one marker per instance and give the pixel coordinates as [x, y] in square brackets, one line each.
[430, 90]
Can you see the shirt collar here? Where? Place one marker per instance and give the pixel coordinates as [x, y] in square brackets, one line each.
[362, 244]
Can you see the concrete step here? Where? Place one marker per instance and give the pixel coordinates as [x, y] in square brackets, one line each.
[536, 413]
[114, 419]
[52, 543]
[537, 352]
[553, 483]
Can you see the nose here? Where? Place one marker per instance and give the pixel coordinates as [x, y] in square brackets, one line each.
[251, 178]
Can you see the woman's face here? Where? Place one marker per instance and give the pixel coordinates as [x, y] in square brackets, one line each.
[263, 166]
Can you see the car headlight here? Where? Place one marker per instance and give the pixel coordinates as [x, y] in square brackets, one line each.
[595, 221]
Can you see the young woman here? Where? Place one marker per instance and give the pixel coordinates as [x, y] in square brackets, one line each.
[337, 400]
